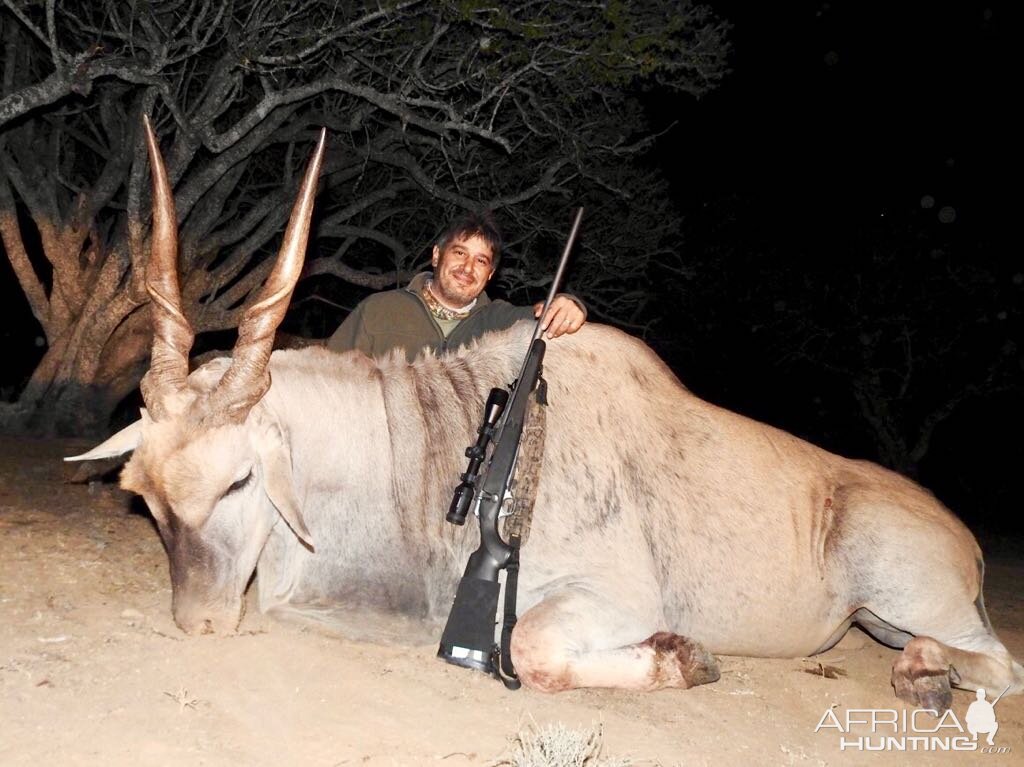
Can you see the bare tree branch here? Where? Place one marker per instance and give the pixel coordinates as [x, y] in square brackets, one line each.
[431, 108]
[14, 246]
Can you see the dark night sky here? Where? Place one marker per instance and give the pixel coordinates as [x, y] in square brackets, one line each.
[835, 115]
[838, 119]
[838, 114]
[855, 106]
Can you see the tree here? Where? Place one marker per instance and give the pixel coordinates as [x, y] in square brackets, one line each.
[431, 107]
[917, 325]
[869, 335]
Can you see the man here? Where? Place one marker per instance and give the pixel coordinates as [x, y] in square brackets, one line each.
[448, 308]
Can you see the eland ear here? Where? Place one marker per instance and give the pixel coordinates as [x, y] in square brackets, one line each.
[280, 486]
[125, 441]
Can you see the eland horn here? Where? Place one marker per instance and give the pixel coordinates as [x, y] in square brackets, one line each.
[172, 334]
[248, 379]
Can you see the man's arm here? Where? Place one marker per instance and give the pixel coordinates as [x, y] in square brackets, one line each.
[567, 314]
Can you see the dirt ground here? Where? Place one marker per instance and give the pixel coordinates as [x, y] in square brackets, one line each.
[94, 671]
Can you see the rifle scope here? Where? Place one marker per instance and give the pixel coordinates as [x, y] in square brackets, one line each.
[476, 453]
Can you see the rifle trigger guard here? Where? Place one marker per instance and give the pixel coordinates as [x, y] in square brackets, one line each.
[507, 503]
[505, 510]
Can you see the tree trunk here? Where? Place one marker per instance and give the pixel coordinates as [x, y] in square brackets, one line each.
[80, 381]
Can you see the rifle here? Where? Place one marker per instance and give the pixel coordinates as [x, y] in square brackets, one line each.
[468, 637]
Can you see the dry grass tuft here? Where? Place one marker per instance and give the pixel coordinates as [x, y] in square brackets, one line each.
[554, 745]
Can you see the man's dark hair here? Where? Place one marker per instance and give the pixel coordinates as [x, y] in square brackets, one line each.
[474, 224]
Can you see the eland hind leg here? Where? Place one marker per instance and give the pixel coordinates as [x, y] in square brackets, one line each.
[577, 638]
[913, 574]
[947, 641]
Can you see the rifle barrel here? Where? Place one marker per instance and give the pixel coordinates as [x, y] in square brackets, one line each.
[557, 282]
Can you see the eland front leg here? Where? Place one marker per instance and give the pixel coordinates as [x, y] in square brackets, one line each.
[577, 637]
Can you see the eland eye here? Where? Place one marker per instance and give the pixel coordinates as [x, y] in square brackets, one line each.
[239, 484]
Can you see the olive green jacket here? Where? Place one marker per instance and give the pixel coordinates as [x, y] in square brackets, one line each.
[399, 319]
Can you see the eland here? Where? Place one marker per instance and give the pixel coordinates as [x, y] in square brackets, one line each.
[666, 529]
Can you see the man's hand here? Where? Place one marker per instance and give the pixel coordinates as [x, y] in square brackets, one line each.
[564, 316]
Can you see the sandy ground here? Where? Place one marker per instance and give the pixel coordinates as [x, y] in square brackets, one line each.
[93, 670]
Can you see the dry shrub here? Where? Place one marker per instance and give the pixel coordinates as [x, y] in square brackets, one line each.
[554, 745]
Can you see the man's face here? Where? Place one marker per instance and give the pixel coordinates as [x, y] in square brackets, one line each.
[462, 270]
